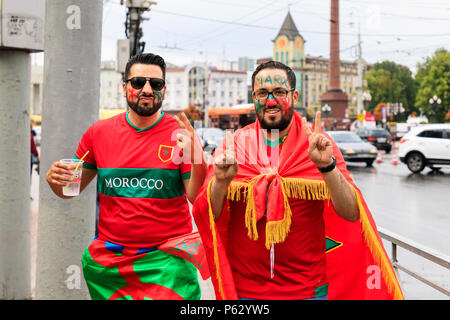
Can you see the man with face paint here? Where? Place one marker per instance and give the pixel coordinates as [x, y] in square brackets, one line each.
[261, 209]
[144, 186]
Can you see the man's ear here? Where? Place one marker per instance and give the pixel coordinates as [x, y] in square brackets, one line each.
[164, 94]
[253, 98]
[295, 96]
[124, 87]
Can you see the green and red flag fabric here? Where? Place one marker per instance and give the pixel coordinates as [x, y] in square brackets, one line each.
[168, 272]
[357, 264]
[190, 248]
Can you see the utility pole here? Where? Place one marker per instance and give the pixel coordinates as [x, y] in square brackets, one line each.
[133, 30]
[14, 175]
[359, 83]
[73, 30]
[360, 69]
[22, 34]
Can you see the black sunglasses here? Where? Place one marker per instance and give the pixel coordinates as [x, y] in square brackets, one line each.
[139, 82]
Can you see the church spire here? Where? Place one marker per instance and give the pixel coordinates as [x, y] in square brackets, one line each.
[288, 28]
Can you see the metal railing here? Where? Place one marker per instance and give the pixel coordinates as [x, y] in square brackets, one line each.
[418, 249]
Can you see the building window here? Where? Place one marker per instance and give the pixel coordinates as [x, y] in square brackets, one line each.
[282, 57]
[276, 56]
[287, 58]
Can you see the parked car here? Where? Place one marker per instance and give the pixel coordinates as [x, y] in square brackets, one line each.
[210, 137]
[353, 148]
[380, 138]
[426, 146]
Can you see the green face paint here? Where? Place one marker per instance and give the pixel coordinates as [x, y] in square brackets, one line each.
[160, 95]
[259, 106]
[282, 81]
[268, 80]
[260, 80]
[276, 80]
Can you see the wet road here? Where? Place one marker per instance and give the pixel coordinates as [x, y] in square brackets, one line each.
[414, 206]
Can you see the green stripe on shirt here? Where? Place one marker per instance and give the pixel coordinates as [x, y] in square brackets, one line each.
[140, 183]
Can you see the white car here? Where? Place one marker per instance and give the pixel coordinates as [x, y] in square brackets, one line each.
[426, 145]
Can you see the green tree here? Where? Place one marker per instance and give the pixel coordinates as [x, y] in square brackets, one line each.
[433, 79]
[388, 82]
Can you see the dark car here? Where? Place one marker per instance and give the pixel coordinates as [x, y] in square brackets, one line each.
[353, 148]
[380, 138]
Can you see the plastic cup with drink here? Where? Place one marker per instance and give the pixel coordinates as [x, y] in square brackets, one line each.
[73, 188]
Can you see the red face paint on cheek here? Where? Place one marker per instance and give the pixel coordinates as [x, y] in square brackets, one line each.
[132, 94]
[285, 106]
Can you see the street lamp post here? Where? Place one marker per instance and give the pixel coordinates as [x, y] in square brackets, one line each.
[435, 101]
[326, 109]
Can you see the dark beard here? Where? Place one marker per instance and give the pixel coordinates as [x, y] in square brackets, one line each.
[280, 125]
[144, 111]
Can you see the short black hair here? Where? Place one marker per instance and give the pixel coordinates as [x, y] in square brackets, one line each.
[145, 58]
[275, 65]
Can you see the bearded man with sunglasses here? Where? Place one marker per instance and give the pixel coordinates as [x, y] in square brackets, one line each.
[261, 211]
[144, 183]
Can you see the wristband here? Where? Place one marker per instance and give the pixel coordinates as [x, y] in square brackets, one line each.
[330, 167]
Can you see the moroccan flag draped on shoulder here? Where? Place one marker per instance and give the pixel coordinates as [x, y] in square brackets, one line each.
[357, 265]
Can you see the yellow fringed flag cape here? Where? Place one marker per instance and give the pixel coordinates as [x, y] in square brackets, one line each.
[357, 264]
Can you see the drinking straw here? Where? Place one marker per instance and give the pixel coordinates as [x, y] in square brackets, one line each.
[81, 160]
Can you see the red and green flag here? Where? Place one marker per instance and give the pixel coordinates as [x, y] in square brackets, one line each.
[357, 264]
[168, 272]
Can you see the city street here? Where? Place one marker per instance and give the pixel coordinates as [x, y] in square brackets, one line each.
[410, 205]
[413, 206]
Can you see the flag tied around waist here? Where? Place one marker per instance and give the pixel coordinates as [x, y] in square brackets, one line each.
[165, 272]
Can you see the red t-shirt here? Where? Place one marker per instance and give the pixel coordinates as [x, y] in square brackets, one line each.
[141, 192]
[299, 262]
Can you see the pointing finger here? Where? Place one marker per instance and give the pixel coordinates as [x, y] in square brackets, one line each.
[317, 128]
[229, 141]
[186, 122]
[229, 147]
[179, 122]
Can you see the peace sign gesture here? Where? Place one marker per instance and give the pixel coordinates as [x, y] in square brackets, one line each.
[320, 147]
[225, 164]
[188, 141]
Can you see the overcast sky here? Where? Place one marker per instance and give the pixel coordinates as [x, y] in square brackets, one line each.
[404, 31]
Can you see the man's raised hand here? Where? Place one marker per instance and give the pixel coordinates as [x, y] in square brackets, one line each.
[188, 141]
[225, 164]
[320, 147]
